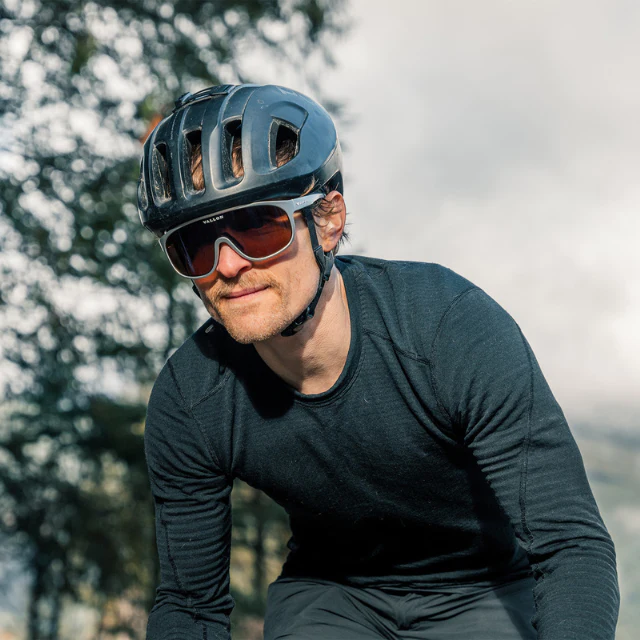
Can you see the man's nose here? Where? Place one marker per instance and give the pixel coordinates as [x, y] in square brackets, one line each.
[230, 263]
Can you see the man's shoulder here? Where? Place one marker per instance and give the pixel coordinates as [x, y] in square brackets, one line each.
[196, 368]
[423, 281]
[404, 301]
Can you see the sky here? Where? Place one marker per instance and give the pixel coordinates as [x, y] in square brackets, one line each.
[502, 140]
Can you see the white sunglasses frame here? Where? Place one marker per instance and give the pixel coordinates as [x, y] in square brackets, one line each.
[290, 207]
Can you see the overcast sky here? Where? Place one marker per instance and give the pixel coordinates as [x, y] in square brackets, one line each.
[502, 140]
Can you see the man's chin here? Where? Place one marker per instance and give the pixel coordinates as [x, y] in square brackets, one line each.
[261, 320]
[249, 333]
[248, 328]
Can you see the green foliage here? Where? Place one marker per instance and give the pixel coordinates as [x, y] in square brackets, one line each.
[89, 307]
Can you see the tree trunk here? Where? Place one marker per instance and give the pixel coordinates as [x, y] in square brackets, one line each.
[54, 617]
[258, 546]
[37, 595]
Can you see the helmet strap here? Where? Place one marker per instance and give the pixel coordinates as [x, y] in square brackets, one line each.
[325, 261]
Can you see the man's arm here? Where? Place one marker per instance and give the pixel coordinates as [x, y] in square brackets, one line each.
[193, 522]
[492, 388]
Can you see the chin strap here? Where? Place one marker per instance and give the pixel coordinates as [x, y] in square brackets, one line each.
[325, 262]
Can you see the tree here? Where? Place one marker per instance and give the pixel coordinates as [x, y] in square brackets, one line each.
[89, 308]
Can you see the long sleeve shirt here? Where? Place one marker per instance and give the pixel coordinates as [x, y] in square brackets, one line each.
[440, 456]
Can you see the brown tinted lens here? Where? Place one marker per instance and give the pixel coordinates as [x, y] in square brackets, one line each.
[257, 231]
[191, 250]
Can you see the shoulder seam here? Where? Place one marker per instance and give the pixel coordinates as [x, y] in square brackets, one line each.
[206, 396]
[527, 441]
[413, 356]
[189, 410]
[420, 360]
[434, 385]
[525, 460]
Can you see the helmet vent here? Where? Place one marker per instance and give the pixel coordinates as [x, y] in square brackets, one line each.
[143, 203]
[232, 163]
[161, 185]
[287, 144]
[193, 161]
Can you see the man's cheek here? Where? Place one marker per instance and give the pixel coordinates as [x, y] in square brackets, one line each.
[211, 308]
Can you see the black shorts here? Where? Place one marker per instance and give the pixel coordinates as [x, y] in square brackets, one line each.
[310, 609]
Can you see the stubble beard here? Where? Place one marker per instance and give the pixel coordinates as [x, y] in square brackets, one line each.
[254, 323]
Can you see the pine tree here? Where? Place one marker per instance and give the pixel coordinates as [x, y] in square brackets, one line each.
[89, 308]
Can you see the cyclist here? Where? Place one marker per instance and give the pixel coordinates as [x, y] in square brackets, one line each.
[393, 408]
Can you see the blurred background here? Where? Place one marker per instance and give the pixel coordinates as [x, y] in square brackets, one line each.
[500, 139]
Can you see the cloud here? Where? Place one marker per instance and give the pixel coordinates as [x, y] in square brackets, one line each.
[502, 140]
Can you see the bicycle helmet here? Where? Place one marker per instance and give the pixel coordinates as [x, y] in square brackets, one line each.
[210, 120]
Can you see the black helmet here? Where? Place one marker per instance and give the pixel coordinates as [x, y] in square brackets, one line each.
[212, 118]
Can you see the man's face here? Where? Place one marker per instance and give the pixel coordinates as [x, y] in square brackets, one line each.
[256, 301]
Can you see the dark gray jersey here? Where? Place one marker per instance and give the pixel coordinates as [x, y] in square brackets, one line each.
[439, 456]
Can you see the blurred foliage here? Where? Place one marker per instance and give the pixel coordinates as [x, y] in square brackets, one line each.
[260, 533]
[89, 308]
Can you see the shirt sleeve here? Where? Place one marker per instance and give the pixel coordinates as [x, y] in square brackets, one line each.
[491, 386]
[193, 522]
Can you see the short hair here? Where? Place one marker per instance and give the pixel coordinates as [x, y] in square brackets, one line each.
[285, 151]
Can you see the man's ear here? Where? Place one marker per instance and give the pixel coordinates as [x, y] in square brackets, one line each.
[330, 220]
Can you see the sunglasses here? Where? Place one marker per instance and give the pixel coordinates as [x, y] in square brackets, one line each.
[257, 232]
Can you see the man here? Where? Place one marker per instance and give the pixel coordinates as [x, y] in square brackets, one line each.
[393, 408]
